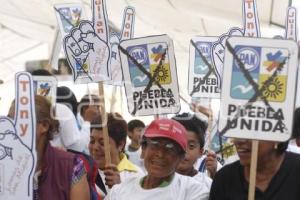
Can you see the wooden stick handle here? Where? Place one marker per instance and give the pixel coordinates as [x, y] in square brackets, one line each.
[104, 124]
[113, 99]
[209, 126]
[252, 179]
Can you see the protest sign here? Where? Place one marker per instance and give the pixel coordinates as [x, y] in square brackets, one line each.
[256, 103]
[17, 144]
[68, 16]
[202, 75]
[291, 29]
[115, 39]
[150, 76]
[45, 86]
[87, 49]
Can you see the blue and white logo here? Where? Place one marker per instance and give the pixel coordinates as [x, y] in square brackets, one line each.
[204, 47]
[249, 57]
[139, 54]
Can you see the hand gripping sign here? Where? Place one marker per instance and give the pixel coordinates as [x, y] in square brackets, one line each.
[87, 49]
[259, 90]
[17, 144]
[150, 76]
[251, 29]
[202, 75]
[115, 39]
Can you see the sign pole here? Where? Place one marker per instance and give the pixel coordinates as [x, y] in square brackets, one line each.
[113, 99]
[252, 179]
[209, 125]
[104, 124]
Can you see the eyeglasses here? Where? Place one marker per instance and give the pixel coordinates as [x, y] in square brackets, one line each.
[169, 147]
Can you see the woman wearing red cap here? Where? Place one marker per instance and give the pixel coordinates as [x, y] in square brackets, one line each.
[164, 145]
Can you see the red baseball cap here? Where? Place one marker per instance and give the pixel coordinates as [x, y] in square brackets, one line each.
[167, 128]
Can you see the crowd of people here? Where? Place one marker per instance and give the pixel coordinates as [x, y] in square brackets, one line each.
[156, 160]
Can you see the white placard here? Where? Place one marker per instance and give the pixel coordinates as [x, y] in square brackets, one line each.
[150, 76]
[68, 16]
[258, 93]
[202, 76]
[45, 86]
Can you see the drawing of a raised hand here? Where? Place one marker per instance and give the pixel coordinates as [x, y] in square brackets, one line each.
[17, 144]
[115, 39]
[87, 49]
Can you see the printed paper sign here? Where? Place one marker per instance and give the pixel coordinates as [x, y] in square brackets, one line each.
[126, 33]
[17, 144]
[45, 86]
[291, 24]
[87, 49]
[68, 16]
[149, 71]
[259, 90]
[202, 75]
[250, 19]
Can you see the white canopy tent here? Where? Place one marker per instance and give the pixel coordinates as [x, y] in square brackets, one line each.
[28, 27]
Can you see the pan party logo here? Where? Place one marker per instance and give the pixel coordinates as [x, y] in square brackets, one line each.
[260, 63]
[149, 56]
[200, 67]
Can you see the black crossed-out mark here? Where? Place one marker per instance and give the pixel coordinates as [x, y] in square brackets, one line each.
[258, 93]
[81, 67]
[211, 69]
[152, 79]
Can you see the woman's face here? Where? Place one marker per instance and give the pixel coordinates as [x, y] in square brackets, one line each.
[244, 147]
[96, 148]
[161, 157]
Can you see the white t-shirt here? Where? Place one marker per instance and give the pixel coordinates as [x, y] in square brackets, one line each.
[293, 147]
[68, 135]
[124, 175]
[135, 157]
[181, 188]
[203, 179]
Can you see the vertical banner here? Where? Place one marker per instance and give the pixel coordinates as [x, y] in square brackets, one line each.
[202, 75]
[258, 94]
[17, 144]
[150, 75]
